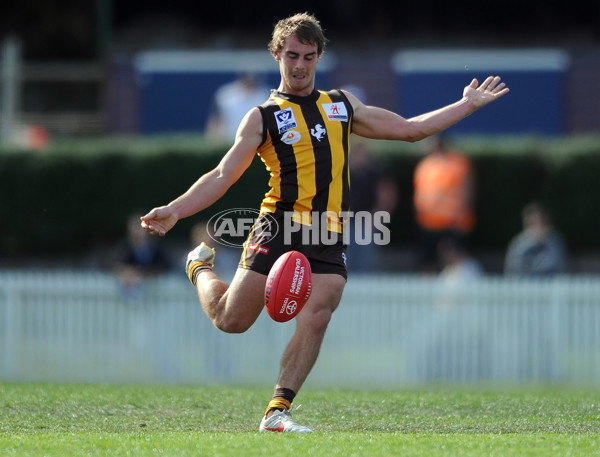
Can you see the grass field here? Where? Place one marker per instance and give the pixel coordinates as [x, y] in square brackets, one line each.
[97, 420]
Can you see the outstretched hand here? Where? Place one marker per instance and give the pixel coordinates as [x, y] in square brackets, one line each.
[491, 89]
[159, 221]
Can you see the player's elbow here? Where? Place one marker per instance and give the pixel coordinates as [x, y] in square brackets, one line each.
[413, 138]
[408, 131]
[415, 133]
[410, 138]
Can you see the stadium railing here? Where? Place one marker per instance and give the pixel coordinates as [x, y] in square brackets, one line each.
[390, 330]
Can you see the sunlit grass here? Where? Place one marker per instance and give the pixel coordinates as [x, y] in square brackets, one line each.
[75, 420]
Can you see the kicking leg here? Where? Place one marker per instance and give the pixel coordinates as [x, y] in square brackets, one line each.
[232, 308]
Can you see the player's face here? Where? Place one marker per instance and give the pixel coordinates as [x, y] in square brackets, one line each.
[297, 65]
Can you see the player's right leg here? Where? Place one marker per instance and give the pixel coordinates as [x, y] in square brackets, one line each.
[232, 308]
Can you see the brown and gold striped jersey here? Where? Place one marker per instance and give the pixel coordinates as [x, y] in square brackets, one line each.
[305, 148]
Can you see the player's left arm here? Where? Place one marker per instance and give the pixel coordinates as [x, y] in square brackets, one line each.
[378, 123]
[212, 185]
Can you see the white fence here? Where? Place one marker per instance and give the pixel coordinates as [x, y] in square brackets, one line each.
[388, 331]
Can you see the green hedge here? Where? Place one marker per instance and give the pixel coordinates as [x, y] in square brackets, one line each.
[510, 172]
[77, 195]
[65, 201]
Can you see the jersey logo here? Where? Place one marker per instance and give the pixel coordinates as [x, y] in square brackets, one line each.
[285, 120]
[291, 137]
[336, 111]
[318, 132]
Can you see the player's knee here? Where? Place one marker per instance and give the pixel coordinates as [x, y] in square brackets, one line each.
[316, 320]
[232, 325]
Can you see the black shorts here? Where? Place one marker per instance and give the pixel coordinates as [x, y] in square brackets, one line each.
[267, 241]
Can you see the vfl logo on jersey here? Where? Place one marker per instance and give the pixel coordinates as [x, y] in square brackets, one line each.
[318, 132]
[336, 111]
[285, 120]
[291, 137]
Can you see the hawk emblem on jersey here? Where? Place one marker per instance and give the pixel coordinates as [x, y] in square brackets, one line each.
[336, 111]
[285, 120]
[318, 132]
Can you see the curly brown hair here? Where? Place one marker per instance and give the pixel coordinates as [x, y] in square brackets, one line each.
[303, 26]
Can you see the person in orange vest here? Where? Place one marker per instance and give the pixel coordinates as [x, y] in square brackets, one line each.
[443, 200]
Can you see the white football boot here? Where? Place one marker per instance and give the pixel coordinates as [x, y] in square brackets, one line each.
[202, 257]
[281, 421]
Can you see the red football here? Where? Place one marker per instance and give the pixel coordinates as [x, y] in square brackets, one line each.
[288, 286]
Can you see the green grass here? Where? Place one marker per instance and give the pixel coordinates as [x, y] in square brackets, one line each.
[97, 420]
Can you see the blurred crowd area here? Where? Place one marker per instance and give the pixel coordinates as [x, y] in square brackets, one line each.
[76, 61]
[77, 29]
[76, 69]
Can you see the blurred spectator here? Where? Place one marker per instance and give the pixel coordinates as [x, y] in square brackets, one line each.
[371, 190]
[141, 256]
[454, 305]
[538, 249]
[32, 136]
[457, 263]
[443, 200]
[231, 103]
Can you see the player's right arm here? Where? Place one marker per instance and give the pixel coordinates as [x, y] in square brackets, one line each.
[212, 185]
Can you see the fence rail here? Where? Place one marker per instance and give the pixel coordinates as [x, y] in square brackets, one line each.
[389, 331]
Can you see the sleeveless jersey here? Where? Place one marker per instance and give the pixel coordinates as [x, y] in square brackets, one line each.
[306, 141]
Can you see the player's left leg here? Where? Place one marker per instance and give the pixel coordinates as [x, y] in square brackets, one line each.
[302, 351]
